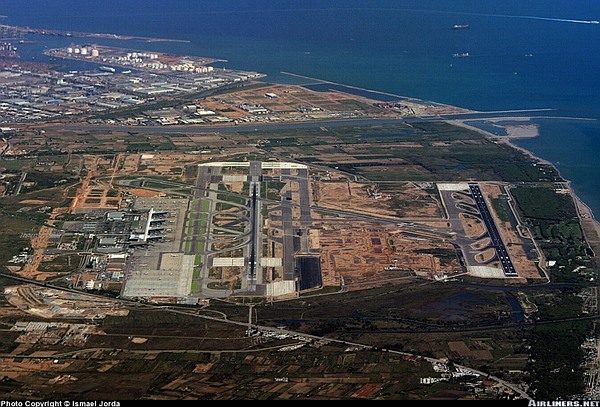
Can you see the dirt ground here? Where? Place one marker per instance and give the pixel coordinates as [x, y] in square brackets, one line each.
[142, 192]
[39, 243]
[348, 251]
[360, 254]
[48, 303]
[512, 239]
[365, 198]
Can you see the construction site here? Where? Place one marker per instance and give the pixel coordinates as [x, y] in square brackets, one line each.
[274, 213]
[203, 245]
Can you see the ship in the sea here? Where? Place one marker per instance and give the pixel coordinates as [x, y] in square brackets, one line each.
[460, 26]
[107, 69]
[461, 55]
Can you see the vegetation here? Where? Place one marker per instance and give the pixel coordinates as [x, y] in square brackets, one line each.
[553, 219]
[556, 354]
[499, 209]
[439, 151]
[15, 236]
[61, 264]
[557, 358]
[544, 203]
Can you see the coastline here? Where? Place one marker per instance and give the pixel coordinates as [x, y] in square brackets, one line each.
[589, 224]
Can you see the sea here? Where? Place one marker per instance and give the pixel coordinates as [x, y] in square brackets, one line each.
[521, 54]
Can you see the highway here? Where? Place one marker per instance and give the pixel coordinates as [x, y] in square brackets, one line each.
[305, 124]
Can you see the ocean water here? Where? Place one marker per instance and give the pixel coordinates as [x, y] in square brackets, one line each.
[523, 54]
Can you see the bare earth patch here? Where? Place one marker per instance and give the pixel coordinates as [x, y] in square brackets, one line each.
[33, 202]
[143, 192]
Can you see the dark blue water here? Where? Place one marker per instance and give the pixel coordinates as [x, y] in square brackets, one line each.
[523, 55]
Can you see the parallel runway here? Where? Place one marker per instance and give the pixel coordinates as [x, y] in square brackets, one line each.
[497, 243]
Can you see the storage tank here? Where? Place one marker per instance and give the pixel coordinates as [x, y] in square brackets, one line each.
[95, 53]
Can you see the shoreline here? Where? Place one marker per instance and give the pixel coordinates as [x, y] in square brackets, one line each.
[590, 226]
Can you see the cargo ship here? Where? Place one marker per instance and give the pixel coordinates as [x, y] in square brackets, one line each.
[461, 55]
[460, 26]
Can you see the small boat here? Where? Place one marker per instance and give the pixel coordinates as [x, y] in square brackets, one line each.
[460, 26]
[461, 55]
